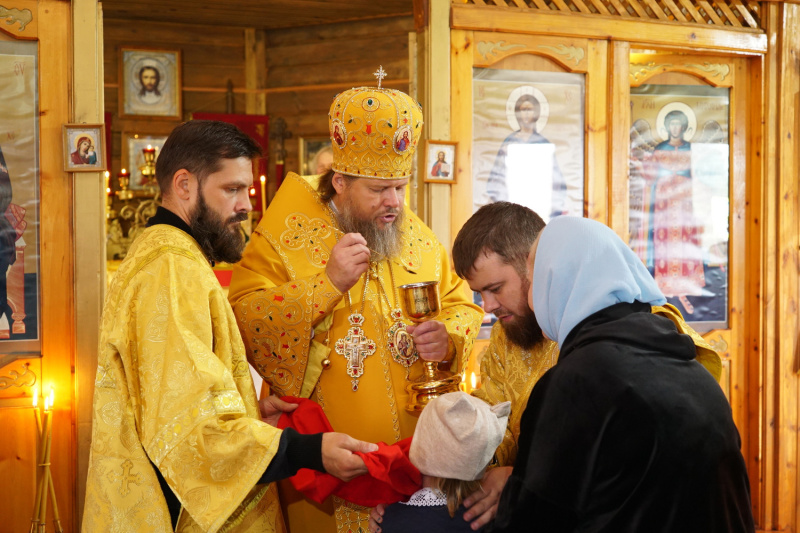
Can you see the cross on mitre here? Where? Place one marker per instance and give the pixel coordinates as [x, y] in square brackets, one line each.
[380, 74]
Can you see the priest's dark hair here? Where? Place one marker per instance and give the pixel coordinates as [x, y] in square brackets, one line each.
[199, 146]
[504, 228]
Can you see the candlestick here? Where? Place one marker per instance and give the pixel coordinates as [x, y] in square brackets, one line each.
[45, 464]
[39, 451]
[263, 195]
[44, 485]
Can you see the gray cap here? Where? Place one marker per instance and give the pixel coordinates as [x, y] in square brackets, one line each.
[457, 435]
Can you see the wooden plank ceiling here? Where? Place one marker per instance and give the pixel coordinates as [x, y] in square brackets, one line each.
[262, 14]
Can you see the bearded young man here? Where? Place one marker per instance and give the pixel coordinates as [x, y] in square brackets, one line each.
[490, 252]
[178, 439]
[327, 261]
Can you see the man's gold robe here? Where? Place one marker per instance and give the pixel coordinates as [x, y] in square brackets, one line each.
[509, 373]
[291, 316]
[173, 387]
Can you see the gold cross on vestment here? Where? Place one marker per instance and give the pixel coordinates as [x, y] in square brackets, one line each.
[355, 347]
[125, 479]
[380, 74]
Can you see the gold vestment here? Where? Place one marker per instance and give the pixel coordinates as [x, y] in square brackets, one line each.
[173, 387]
[291, 315]
[509, 373]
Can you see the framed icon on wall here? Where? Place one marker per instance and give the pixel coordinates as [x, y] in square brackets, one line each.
[150, 83]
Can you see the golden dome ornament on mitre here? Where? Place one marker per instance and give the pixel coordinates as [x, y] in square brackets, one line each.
[374, 131]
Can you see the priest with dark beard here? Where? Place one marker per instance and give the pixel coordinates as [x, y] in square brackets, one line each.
[179, 440]
[316, 292]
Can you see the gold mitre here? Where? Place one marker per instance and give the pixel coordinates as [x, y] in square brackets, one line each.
[374, 132]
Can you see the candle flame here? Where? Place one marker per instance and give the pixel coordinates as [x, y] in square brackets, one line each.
[35, 396]
[252, 191]
[149, 146]
[123, 171]
[263, 179]
[107, 174]
[473, 380]
[51, 398]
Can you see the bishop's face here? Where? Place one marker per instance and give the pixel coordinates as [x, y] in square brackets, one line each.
[373, 208]
[504, 292]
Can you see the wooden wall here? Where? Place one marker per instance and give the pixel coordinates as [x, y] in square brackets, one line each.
[52, 27]
[305, 68]
[211, 56]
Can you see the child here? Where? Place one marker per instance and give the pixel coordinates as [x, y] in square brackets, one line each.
[455, 439]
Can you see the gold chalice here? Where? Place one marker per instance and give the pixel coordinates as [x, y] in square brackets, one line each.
[421, 302]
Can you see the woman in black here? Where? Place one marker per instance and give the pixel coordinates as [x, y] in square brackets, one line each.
[627, 433]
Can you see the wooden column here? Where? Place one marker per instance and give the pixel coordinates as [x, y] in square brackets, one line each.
[780, 308]
[435, 97]
[255, 71]
[89, 224]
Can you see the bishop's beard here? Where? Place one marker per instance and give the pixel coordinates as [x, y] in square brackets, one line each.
[386, 242]
[221, 240]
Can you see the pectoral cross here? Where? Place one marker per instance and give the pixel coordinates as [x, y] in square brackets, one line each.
[355, 347]
[380, 74]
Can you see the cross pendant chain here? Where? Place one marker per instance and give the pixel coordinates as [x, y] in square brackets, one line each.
[355, 347]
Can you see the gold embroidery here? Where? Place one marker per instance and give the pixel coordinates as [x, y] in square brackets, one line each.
[308, 234]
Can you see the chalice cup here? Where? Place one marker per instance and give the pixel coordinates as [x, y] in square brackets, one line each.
[421, 302]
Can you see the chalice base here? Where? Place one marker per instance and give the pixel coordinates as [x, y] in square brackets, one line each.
[425, 389]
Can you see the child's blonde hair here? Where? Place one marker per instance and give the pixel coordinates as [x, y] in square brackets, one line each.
[456, 491]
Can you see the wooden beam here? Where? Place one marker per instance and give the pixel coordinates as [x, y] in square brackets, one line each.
[637, 32]
[89, 222]
[255, 71]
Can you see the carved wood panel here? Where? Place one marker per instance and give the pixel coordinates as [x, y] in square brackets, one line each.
[729, 13]
[490, 48]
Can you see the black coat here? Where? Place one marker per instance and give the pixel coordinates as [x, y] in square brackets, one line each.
[627, 433]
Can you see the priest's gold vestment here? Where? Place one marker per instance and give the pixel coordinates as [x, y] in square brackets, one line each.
[291, 316]
[509, 373]
[173, 387]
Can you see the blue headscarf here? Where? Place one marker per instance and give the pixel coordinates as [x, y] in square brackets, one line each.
[581, 267]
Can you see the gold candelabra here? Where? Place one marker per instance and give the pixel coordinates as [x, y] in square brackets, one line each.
[138, 205]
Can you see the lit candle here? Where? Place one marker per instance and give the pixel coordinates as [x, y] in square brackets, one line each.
[263, 195]
[149, 149]
[124, 173]
[463, 385]
[473, 381]
[252, 191]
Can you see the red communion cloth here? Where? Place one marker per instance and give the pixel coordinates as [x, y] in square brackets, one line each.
[391, 476]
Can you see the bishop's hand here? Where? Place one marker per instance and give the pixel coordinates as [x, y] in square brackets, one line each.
[431, 339]
[349, 260]
[272, 408]
[338, 457]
